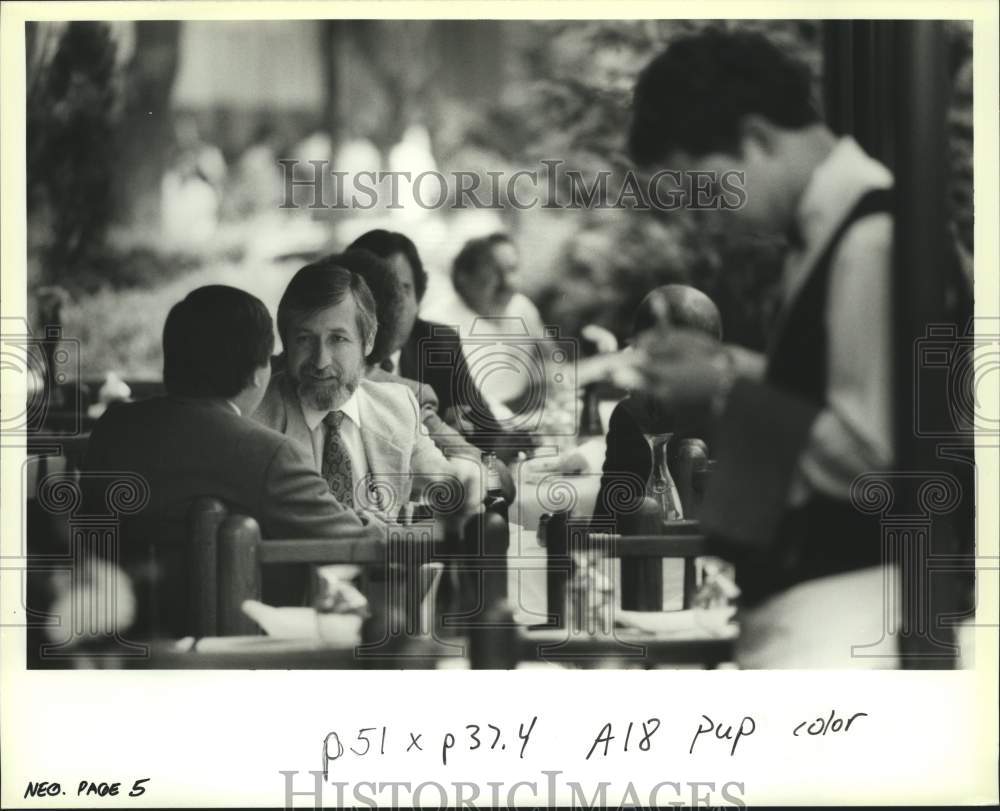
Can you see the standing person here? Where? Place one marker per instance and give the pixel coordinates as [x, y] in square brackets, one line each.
[789, 442]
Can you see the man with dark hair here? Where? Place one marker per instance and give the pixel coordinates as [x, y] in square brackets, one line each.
[365, 437]
[459, 400]
[197, 441]
[485, 274]
[390, 244]
[210, 317]
[695, 97]
[790, 441]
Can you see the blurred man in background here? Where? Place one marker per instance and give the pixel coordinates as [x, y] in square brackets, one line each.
[425, 343]
[494, 321]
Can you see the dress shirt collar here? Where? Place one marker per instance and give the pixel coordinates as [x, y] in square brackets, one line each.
[350, 409]
[836, 184]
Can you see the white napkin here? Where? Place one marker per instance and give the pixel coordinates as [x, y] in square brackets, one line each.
[292, 622]
[694, 623]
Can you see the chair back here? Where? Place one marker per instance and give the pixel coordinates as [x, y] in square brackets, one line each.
[641, 553]
[498, 642]
[205, 518]
[62, 455]
[228, 556]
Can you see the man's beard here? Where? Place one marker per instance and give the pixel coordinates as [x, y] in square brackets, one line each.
[326, 395]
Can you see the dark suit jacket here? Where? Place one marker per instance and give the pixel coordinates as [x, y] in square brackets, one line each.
[433, 355]
[188, 448]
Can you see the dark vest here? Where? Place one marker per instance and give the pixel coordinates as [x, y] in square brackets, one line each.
[825, 536]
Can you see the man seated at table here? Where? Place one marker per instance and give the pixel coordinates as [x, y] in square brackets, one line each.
[365, 437]
[431, 352]
[494, 320]
[198, 441]
[641, 426]
[394, 316]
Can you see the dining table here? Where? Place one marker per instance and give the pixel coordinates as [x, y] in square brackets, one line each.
[566, 480]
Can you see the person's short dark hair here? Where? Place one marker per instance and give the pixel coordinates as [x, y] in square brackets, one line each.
[385, 244]
[474, 253]
[214, 340]
[322, 284]
[387, 292]
[693, 96]
[681, 306]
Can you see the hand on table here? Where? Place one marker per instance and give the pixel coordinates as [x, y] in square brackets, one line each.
[374, 520]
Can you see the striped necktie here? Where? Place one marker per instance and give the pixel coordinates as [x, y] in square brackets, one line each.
[336, 468]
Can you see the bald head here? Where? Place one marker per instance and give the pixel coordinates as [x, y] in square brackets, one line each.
[678, 305]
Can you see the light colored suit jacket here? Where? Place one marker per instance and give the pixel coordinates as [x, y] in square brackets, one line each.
[450, 441]
[401, 457]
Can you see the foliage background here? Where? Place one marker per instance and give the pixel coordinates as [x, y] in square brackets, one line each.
[492, 95]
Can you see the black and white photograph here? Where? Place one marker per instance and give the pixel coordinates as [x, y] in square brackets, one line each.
[403, 349]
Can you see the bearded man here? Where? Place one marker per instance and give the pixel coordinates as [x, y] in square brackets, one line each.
[365, 438]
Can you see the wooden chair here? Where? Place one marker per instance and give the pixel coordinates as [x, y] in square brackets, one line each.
[641, 554]
[54, 455]
[229, 556]
[500, 643]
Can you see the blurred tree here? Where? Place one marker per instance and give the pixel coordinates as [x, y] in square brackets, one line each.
[384, 75]
[71, 107]
[145, 132]
[572, 104]
[379, 77]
